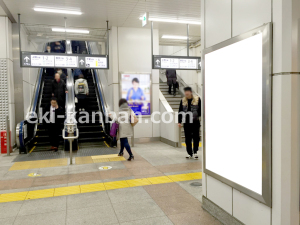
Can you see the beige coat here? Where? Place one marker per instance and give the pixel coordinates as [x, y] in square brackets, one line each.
[124, 118]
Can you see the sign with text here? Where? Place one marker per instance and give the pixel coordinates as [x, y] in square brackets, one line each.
[56, 60]
[176, 62]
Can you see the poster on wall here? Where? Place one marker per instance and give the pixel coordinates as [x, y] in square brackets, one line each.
[135, 88]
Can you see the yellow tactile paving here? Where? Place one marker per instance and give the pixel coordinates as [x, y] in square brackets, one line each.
[67, 190]
[92, 187]
[159, 180]
[100, 160]
[116, 185]
[64, 162]
[71, 190]
[138, 182]
[83, 160]
[13, 197]
[179, 177]
[104, 156]
[117, 159]
[195, 175]
[47, 193]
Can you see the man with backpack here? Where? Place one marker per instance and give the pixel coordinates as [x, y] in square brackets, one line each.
[81, 91]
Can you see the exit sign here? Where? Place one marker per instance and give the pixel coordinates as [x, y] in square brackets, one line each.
[145, 19]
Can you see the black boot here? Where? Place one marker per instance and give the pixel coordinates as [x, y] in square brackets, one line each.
[130, 158]
[121, 154]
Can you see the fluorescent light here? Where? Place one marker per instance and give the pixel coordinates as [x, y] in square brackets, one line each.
[70, 30]
[174, 37]
[57, 11]
[172, 21]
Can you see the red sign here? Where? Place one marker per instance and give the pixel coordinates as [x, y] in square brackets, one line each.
[4, 142]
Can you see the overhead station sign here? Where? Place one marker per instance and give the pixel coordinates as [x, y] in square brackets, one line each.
[176, 62]
[52, 60]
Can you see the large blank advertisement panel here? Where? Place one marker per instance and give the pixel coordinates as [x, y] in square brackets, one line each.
[233, 112]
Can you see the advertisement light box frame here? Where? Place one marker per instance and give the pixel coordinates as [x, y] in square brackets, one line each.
[237, 142]
[150, 85]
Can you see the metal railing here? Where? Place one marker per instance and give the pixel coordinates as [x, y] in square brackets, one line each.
[70, 132]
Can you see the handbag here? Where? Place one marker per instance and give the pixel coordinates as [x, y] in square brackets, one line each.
[133, 119]
[114, 129]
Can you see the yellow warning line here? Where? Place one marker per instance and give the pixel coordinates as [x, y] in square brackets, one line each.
[106, 144]
[64, 161]
[85, 188]
[32, 149]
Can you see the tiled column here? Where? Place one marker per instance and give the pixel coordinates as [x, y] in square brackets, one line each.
[7, 106]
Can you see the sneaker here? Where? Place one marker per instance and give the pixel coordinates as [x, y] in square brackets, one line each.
[189, 156]
[195, 156]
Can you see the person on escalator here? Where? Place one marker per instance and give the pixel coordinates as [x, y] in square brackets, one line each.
[63, 76]
[81, 91]
[48, 49]
[58, 48]
[76, 73]
[55, 120]
[59, 89]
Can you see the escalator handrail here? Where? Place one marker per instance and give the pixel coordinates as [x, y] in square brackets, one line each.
[37, 93]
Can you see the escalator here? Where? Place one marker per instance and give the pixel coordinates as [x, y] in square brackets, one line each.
[91, 133]
[33, 137]
[41, 140]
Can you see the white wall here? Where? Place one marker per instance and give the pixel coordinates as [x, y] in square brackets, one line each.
[29, 74]
[191, 78]
[130, 51]
[222, 20]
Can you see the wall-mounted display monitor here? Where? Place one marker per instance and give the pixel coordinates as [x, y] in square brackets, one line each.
[52, 60]
[136, 89]
[237, 112]
[176, 62]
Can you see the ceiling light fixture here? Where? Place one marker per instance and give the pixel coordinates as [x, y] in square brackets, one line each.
[172, 21]
[174, 37]
[70, 30]
[57, 11]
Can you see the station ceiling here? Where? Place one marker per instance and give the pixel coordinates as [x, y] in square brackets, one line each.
[121, 13]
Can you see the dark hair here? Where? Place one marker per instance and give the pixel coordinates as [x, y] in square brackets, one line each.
[135, 80]
[81, 76]
[122, 101]
[54, 99]
[188, 89]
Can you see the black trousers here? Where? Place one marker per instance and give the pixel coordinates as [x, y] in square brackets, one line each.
[174, 88]
[191, 131]
[82, 101]
[54, 132]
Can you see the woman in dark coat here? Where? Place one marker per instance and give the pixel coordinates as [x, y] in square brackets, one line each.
[171, 80]
[59, 89]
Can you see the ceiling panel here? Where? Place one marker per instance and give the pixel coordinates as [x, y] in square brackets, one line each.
[122, 13]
